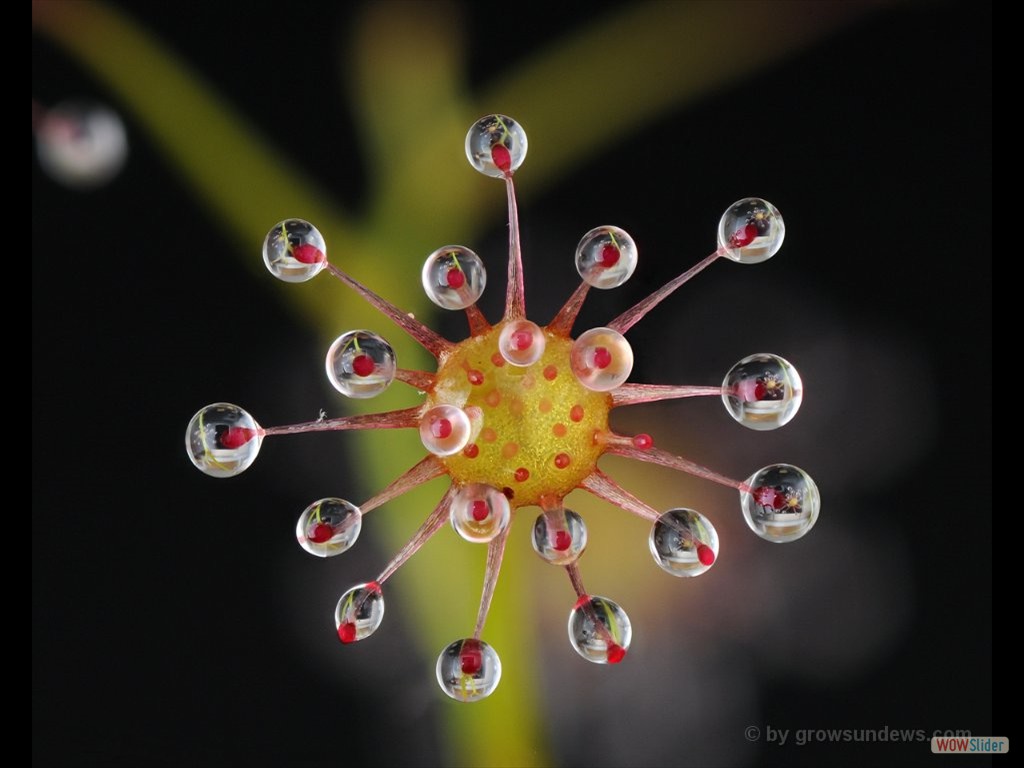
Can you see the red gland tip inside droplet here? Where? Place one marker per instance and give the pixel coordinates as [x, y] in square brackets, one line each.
[322, 532]
[615, 653]
[235, 437]
[643, 441]
[760, 390]
[609, 256]
[363, 365]
[769, 497]
[602, 358]
[743, 236]
[307, 253]
[562, 541]
[441, 429]
[455, 277]
[471, 659]
[705, 554]
[522, 340]
[501, 157]
[347, 632]
[480, 510]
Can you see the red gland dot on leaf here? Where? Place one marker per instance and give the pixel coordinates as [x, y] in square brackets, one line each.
[363, 365]
[563, 460]
[643, 442]
[322, 532]
[347, 632]
[501, 157]
[609, 256]
[522, 475]
[307, 254]
[455, 277]
[441, 429]
[705, 554]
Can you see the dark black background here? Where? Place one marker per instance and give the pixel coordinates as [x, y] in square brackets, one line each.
[154, 639]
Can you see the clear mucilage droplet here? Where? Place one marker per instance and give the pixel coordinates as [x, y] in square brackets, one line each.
[521, 342]
[684, 542]
[782, 503]
[606, 257]
[294, 251]
[454, 277]
[480, 512]
[81, 145]
[496, 145]
[468, 670]
[360, 364]
[601, 359]
[751, 230]
[559, 536]
[762, 392]
[599, 630]
[445, 430]
[359, 612]
[223, 440]
[329, 527]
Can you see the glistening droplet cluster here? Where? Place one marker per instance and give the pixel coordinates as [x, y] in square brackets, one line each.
[516, 415]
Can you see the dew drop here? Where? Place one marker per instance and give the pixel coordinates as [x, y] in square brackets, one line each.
[751, 231]
[782, 503]
[468, 670]
[762, 392]
[359, 612]
[329, 527]
[222, 440]
[445, 430]
[683, 542]
[81, 145]
[599, 630]
[559, 536]
[294, 251]
[601, 359]
[521, 342]
[496, 145]
[360, 364]
[454, 277]
[480, 512]
[606, 257]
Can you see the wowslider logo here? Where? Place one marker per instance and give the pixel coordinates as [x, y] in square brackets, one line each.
[972, 745]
